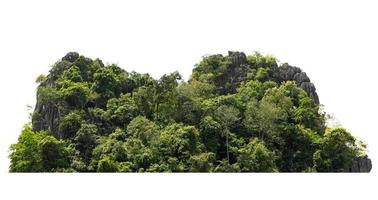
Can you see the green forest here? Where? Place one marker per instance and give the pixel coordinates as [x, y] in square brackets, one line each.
[235, 113]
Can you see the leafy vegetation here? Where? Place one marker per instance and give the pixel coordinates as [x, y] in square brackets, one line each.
[92, 117]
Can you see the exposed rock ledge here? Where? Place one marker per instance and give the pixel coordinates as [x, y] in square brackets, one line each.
[361, 164]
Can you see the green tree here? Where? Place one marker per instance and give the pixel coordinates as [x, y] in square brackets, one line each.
[179, 141]
[106, 164]
[266, 117]
[25, 154]
[165, 97]
[72, 74]
[75, 94]
[203, 162]
[228, 116]
[85, 140]
[38, 152]
[142, 129]
[141, 156]
[307, 113]
[255, 157]
[112, 146]
[70, 124]
[211, 134]
[121, 110]
[48, 95]
[54, 154]
[337, 150]
[106, 84]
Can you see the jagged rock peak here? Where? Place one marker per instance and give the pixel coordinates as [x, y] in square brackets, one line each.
[71, 56]
[292, 73]
[237, 58]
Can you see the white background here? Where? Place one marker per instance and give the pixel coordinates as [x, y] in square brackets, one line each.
[334, 42]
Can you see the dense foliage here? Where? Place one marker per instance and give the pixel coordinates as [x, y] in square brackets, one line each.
[92, 117]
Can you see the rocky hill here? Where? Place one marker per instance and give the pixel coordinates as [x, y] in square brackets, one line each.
[237, 113]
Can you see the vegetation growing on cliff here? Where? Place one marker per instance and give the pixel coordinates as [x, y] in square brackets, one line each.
[236, 113]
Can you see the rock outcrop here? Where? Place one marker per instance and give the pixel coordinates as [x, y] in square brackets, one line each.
[71, 57]
[46, 115]
[237, 58]
[238, 68]
[361, 164]
[290, 73]
[235, 74]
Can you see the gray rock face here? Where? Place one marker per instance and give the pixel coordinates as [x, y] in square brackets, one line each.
[71, 56]
[237, 58]
[301, 77]
[287, 72]
[235, 74]
[46, 119]
[47, 115]
[361, 164]
[310, 90]
[290, 73]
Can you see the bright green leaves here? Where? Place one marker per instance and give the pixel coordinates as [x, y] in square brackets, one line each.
[70, 124]
[85, 140]
[203, 162]
[143, 129]
[72, 74]
[266, 116]
[122, 110]
[141, 156]
[210, 68]
[54, 154]
[48, 95]
[165, 98]
[75, 94]
[256, 157]
[40, 79]
[307, 113]
[106, 83]
[258, 60]
[337, 150]
[227, 115]
[211, 133]
[25, 155]
[106, 164]
[178, 141]
[38, 152]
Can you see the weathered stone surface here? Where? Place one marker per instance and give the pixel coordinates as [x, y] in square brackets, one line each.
[71, 56]
[301, 77]
[287, 72]
[46, 118]
[361, 164]
[237, 58]
[46, 115]
[310, 90]
[291, 73]
[235, 74]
